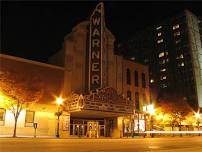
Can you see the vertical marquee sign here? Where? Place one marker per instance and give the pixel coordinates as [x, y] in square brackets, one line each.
[95, 47]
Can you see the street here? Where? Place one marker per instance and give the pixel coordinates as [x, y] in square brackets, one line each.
[165, 144]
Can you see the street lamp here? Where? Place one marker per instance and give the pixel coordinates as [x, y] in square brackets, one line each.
[197, 115]
[59, 101]
[151, 111]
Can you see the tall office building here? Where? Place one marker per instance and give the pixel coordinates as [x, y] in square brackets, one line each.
[173, 51]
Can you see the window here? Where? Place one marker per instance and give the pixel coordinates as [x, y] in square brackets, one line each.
[144, 98]
[177, 41]
[163, 77]
[29, 118]
[128, 76]
[152, 81]
[2, 116]
[159, 34]
[176, 26]
[176, 33]
[181, 56]
[166, 52]
[158, 28]
[163, 70]
[132, 58]
[160, 41]
[161, 54]
[162, 61]
[137, 105]
[182, 64]
[129, 95]
[136, 78]
[143, 81]
[164, 86]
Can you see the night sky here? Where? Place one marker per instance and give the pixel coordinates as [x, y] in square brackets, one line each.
[35, 30]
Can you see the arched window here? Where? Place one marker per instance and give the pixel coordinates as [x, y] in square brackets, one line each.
[128, 76]
[136, 78]
[143, 81]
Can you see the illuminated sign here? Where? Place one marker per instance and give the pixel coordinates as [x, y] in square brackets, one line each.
[95, 48]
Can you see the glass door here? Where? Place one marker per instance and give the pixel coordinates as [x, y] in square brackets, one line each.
[93, 129]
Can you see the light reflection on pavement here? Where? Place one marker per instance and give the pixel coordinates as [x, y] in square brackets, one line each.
[168, 144]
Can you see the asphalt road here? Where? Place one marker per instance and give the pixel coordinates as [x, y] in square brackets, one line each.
[174, 144]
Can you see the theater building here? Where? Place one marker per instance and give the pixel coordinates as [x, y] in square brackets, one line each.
[104, 93]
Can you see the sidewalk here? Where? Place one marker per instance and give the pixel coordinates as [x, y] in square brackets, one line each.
[75, 137]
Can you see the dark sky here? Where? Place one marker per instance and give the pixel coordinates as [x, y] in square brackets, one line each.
[35, 30]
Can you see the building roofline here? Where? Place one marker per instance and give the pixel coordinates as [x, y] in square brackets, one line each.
[167, 18]
[30, 61]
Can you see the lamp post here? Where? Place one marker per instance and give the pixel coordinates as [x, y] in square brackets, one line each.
[198, 117]
[151, 111]
[59, 101]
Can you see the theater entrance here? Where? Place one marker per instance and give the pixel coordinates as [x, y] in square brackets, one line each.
[87, 128]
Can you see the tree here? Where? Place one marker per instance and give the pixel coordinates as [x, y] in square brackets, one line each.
[176, 107]
[19, 91]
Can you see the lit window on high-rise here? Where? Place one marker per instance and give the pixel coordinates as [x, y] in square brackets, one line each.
[164, 86]
[167, 60]
[176, 26]
[181, 56]
[163, 77]
[162, 61]
[159, 34]
[161, 54]
[163, 70]
[160, 41]
[177, 41]
[176, 33]
[152, 81]
[182, 64]
[158, 28]
[166, 52]
[132, 58]
[146, 60]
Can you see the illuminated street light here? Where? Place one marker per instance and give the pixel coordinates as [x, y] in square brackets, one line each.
[197, 115]
[59, 102]
[151, 109]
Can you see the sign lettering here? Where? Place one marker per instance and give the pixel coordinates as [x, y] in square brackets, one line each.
[95, 48]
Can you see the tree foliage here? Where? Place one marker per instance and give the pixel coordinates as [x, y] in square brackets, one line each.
[19, 90]
[174, 108]
[174, 104]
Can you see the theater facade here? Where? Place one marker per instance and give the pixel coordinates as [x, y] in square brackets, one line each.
[103, 93]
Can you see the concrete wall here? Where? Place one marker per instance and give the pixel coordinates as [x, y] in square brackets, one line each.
[196, 53]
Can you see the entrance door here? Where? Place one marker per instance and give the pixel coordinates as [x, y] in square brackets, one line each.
[78, 130]
[93, 129]
[101, 130]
